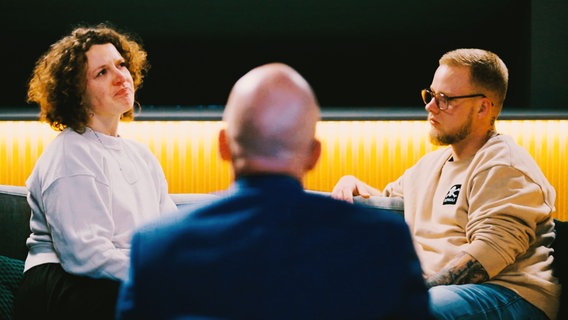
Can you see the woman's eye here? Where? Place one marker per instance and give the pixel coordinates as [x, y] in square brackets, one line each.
[101, 73]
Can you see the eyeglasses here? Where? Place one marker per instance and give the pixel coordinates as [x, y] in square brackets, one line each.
[442, 100]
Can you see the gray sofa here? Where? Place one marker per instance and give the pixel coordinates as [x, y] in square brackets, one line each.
[15, 214]
[14, 230]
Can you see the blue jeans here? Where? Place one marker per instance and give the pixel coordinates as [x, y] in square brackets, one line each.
[480, 301]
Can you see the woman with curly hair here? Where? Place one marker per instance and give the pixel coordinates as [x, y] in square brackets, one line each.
[90, 188]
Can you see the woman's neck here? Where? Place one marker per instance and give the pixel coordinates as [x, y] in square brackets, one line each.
[109, 127]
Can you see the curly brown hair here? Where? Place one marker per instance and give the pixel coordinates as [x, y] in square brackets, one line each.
[58, 81]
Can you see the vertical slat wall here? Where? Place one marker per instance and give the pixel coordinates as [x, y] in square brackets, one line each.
[187, 151]
[376, 151]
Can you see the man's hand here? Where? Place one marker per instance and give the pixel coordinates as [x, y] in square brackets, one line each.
[349, 186]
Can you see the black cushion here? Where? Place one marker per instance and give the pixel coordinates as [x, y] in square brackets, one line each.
[560, 247]
[11, 272]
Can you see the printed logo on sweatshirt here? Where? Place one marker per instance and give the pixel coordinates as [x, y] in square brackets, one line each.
[452, 195]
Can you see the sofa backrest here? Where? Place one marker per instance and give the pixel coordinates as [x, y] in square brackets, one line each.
[15, 217]
[14, 221]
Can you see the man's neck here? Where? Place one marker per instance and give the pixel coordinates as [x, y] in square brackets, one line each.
[469, 146]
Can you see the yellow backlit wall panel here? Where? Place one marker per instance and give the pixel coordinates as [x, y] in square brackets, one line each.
[376, 151]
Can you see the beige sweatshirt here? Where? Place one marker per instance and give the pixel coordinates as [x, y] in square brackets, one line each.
[495, 206]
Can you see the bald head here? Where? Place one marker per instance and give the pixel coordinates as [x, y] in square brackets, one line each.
[270, 118]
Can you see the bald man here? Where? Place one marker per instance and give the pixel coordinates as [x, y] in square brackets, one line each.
[267, 249]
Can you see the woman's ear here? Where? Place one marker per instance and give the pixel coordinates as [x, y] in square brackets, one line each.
[224, 149]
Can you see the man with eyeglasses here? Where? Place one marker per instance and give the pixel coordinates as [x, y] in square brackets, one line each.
[479, 210]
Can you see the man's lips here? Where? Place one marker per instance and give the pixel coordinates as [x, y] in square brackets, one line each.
[432, 121]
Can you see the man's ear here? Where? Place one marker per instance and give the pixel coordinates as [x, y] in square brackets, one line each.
[486, 108]
[224, 149]
[314, 155]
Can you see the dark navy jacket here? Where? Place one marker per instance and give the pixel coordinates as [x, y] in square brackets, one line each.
[269, 250]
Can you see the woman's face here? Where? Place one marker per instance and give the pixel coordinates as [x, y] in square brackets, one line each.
[109, 88]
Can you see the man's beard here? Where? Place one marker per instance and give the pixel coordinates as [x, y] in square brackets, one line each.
[440, 139]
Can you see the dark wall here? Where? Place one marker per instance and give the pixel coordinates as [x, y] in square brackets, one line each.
[354, 53]
[549, 54]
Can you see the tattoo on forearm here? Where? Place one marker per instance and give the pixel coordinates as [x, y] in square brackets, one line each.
[462, 270]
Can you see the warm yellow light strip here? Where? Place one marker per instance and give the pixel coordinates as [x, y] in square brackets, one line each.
[187, 151]
[376, 151]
